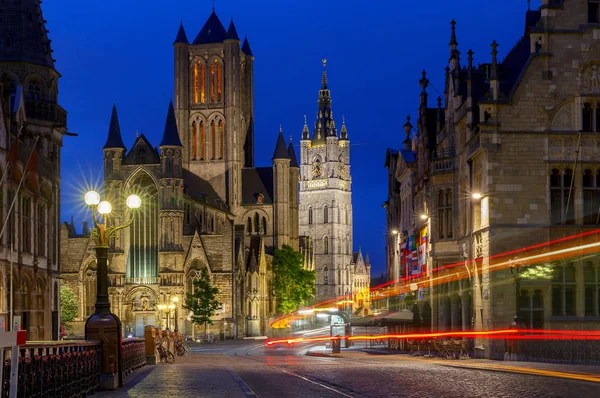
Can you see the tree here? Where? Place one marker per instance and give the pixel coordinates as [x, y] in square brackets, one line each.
[202, 301]
[68, 307]
[292, 284]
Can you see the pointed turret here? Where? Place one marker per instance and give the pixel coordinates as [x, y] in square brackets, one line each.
[181, 36]
[171, 135]
[494, 82]
[281, 151]
[213, 31]
[114, 139]
[453, 42]
[24, 35]
[344, 132]
[246, 47]
[407, 127]
[232, 32]
[292, 155]
[305, 132]
[324, 126]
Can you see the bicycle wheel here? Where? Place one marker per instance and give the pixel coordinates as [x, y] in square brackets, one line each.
[180, 350]
[170, 357]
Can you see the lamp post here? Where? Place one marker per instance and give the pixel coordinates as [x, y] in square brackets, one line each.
[516, 270]
[103, 325]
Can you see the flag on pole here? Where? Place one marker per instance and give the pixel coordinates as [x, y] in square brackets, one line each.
[423, 251]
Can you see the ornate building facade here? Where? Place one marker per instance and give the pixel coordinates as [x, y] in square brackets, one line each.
[325, 212]
[508, 164]
[32, 126]
[205, 204]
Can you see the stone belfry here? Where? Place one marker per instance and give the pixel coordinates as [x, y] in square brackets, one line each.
[325, 208]
[29, 110]
[214, 105]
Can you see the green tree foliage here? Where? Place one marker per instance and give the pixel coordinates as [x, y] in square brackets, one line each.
[293, 285]
[202, 302]
[68, 307]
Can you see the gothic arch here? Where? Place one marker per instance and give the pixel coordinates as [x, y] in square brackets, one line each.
[193, 271]
[136, 174]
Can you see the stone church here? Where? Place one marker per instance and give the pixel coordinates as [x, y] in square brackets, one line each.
[325, 211]
[205, 203]
[32, 128]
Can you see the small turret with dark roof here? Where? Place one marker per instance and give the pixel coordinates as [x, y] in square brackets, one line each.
[232, 32]
[213, 31]
[170, 135]
[292, 155]
[305, 132]
[324, 126]
[344, 132]
[181, 36]
[114, 139]
[281, 151]
[246, 47]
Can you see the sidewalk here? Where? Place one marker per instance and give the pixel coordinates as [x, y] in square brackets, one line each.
[577, 372]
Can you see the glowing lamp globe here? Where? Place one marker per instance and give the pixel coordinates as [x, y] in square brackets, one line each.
[104, 207]
[175, 299]
[134, 202]
[171, 306]
[92, 198]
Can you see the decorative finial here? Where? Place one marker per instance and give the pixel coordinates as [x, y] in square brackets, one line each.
[324, 62]
[304, 119]
[213, 4]
[280, 129]
[343, 119]
[137, 134]
[424, 82]
[291, 138]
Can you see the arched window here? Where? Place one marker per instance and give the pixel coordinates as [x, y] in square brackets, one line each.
[264, 226]
[194, 140]
[34, 89]
[591, 197]
[221, 143]
[202, 141]
[562, 205]
[325, 276]
[196, 83]
[249, 225]
[199, 78]
[587, 117]
[325, 214]
[256, 223]
[310, 215]
[219, 81]
[326, 245]
[213, 139]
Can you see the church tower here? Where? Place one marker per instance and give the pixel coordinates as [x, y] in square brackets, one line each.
[325, 208]
[214, 106]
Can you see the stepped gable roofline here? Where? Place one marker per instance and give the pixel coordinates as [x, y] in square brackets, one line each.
[232, 32]
[171, 134]
[24, 34]
[246, 47]
[213, 31]
[181, 36]
[114, 139]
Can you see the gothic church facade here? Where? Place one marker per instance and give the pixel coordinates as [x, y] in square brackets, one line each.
[205, 204]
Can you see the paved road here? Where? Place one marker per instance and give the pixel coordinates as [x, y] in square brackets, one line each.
[248, 369]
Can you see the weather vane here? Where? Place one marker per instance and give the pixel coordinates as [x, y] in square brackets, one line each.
[324, 62]
[213, 1]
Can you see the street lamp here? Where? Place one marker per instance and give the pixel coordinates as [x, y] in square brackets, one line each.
[104, 325]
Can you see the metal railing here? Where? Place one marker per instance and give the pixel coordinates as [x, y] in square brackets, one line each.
[133, 354]
[48, 369]
[38, 109]
[143, 281]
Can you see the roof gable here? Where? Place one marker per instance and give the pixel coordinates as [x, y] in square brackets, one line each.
[142, 152]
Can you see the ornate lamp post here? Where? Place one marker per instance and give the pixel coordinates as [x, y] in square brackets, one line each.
[104, 325]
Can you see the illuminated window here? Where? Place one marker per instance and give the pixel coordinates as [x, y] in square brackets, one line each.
[202, 80]
[196, 83]
[194, 140]
[561, 203]
[219, 82]
[213, 82]
[202, 141]
[221, 143]
[591, 197]
[213, 138]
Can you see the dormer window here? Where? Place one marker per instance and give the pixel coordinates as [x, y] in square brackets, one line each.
[260, 198]
[593, 8]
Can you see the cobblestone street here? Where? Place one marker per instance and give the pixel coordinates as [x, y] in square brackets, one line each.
[247, 369]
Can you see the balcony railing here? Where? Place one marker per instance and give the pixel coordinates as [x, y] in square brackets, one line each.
[142, 281]
[133, 354]
[56, 369]
[442, 165]
[37, 109]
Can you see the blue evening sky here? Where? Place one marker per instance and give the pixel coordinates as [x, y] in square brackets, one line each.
[121, 50]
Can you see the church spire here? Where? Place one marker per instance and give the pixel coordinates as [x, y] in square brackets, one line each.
[24, 34]
[171, 135]
[324, 126]
[246, 47]
[232, 32]
[181, 36]
[114, 139]
[281, 151]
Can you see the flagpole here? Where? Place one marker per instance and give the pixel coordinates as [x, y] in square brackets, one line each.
[18, 188]
[6, 168]
[11, 287]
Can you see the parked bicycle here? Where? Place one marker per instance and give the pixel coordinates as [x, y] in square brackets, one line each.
[181, 347]
[164, 354]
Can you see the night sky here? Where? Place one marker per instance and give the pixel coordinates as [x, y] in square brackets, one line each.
[121, 51]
